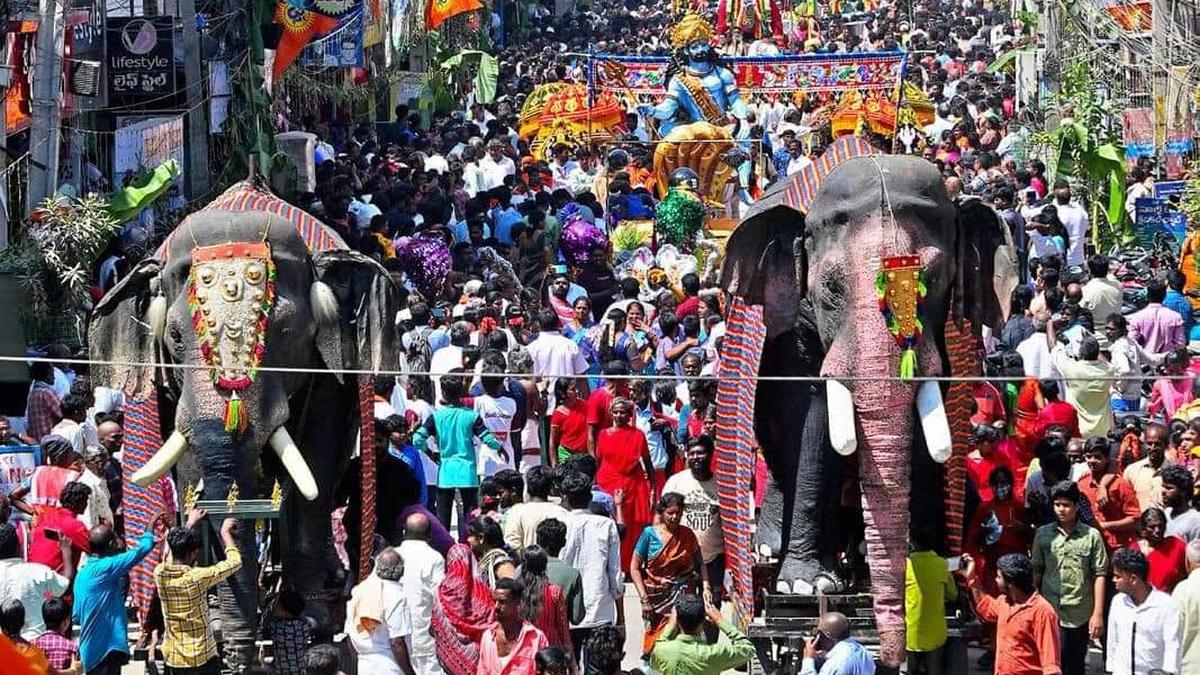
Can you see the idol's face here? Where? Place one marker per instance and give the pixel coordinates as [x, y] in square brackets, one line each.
[697, 50]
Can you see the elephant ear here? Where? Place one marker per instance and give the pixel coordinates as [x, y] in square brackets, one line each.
[765, 264]
[126, 331]
[361, 335]
[987, 266]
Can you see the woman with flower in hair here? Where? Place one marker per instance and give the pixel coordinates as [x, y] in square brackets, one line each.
[624, 459]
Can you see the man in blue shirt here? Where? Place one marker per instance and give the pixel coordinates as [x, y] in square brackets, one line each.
[843, 655]
[1177, 301]
[100, 596]
[504, 216]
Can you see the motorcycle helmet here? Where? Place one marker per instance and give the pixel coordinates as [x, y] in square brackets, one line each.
[686, 177]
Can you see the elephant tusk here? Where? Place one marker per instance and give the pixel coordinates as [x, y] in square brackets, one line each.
[842, 434]
[293, 462]
[934, 422]
[163, 460]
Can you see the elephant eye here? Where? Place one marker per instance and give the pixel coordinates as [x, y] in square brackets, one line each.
[206, 275]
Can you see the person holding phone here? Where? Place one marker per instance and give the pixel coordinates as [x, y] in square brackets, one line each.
[1027, 633]
[839, 653]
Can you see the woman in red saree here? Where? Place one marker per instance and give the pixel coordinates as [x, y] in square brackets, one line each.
[666, 564]
[462, 611]
[624, 459]
[1167, 555]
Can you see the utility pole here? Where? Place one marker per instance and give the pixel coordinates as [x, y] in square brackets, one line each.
[196, 176]
[1051, 39]
[45, 135]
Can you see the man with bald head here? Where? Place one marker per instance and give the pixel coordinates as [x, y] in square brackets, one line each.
[1187, 595]
[111, 437]
[423, 572]
[100, 599]
[841, 653]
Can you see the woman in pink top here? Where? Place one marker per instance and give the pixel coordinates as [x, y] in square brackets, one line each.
[1174, 388]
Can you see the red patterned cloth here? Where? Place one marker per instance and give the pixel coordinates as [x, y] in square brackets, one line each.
[462, 611]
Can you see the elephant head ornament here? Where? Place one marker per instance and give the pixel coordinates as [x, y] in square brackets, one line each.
[239, 327]
[818, 277]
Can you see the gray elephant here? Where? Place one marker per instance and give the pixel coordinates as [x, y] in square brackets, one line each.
[238, 290]
[816, 276]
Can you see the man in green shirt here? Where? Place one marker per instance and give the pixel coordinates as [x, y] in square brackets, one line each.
[681, 650]
[1069, 563]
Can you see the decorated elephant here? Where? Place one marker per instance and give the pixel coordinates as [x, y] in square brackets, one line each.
[243, 286]
[863, 266]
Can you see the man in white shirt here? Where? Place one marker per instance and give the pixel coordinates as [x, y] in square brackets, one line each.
[1143, 622]
[497, 411]
[1035, 353]
[31, 583]
[553, 355]
[1128, 359]
[496, 166]
[70, 427]
[449, 357]
[1102, 293]
[1075, 219]
[95, 460]
[381, 639]
[562, 166]
[1140, 187]
[423, 571]
[594, 548]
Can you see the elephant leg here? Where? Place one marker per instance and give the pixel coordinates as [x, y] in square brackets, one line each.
[810, 553]
[325, 440]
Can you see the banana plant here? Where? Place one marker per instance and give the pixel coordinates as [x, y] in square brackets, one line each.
[452, 71]
[1100, 164]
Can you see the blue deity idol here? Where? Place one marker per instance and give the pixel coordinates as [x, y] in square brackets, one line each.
[699, 88]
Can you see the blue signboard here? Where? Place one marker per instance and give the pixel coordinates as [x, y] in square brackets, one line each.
[1167, 188]
[1157, 215]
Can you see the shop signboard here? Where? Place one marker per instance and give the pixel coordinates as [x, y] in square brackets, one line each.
[142, 143]
[141, 56]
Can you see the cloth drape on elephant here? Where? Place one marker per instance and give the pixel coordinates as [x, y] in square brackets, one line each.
[667, 574]
[462, 610]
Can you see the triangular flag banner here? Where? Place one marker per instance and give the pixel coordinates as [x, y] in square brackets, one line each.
[440, 10]
[300, 26]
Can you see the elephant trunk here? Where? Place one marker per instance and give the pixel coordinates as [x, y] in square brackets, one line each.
[881, 413]
[223, 460]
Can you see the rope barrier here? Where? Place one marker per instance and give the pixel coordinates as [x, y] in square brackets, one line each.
[758, 378]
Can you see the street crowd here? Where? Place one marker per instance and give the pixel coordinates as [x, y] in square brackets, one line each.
[552, 437]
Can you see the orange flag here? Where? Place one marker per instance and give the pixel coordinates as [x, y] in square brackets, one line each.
[300, 26]
[440, 10]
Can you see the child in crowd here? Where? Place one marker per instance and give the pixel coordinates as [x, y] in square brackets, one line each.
[290, 633]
